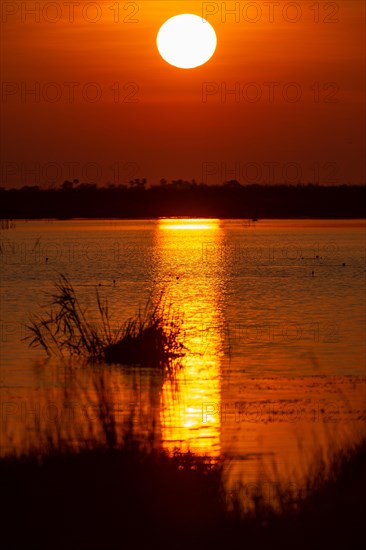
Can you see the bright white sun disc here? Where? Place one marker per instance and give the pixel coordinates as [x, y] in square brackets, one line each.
[186, 41]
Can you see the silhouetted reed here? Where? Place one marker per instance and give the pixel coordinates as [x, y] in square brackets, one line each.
[151, 339]
[99, 485]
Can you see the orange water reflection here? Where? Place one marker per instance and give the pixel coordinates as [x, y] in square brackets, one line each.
[280, 390]
[179, 245]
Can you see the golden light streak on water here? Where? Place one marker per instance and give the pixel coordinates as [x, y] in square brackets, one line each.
[184, 422]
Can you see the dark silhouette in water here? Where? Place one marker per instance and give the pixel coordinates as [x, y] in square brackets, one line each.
[179, 198]
[148, 340]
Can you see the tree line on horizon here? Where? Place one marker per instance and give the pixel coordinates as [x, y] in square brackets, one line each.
[183, 198]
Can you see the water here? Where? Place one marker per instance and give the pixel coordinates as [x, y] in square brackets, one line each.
[274, 325]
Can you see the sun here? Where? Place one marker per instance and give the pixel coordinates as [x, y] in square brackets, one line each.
[186, 41]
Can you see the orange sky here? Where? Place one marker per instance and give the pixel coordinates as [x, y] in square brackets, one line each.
[163, 124]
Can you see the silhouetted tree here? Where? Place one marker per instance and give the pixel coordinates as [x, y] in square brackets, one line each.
[67, 185]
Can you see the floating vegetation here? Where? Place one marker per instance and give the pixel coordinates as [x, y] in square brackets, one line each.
[151, 339]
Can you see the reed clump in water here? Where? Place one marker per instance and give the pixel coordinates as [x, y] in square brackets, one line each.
[151, 339]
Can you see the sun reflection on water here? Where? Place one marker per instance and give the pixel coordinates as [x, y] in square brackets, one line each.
[179, 263]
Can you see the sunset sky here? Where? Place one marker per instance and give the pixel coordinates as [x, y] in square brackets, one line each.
[108, 108]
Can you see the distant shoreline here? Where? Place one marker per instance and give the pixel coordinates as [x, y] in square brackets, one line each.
[147, 219]
[184, 199]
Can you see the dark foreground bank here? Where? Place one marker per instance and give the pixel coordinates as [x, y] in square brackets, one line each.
[110, 495]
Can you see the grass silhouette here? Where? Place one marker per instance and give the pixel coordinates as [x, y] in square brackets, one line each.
[113, 489]
[150, 339]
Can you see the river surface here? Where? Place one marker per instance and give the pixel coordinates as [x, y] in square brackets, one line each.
[273, 324]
